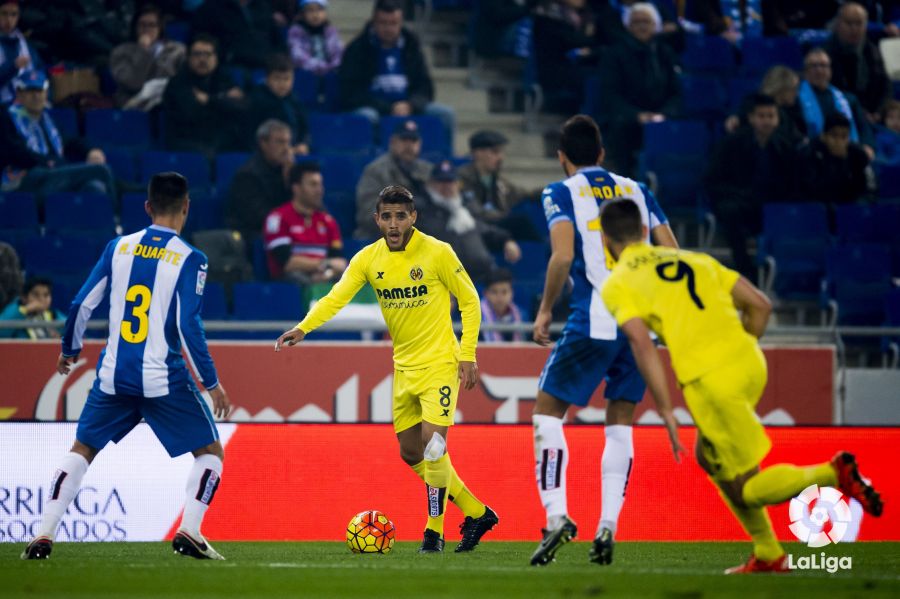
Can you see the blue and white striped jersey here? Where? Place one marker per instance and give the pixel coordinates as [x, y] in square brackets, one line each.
[155, 282]
[577, 200]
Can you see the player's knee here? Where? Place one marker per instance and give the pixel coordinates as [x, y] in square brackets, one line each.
[435, 448]
[215, 449]
[85, 451]
[410, 456]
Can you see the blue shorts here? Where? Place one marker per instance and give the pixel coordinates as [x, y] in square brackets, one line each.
[181, 420]
[577, 365]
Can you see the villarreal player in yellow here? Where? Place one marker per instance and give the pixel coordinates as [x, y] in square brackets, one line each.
[710, 319]
[413, 275]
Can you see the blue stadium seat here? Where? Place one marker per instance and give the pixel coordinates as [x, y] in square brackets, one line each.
[66, 121]
[70, 212]
[192, 165]
[306, 88]
[341, 133]
[892, 319]
[858, 277]
[761, 53]
[342, 206]
[591, 103]
[133, 217]
[18, 216]
[60, 256]
[738, 89]
[179, 31]
[207, 211]
[267, 301]
[679, 178]
[704, 97]
[353, 245]
[227, 165]
[708, 54]
[435, 139]
[215, 306]
[341, 173]
[260, 261]
[130, 128]
[122, 162]
[889, 181]
[533, 264]
[856, 223]
[676, 137]
[795, 237]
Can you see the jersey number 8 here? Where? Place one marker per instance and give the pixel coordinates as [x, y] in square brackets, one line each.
[140, 296]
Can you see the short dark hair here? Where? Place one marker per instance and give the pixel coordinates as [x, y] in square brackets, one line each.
[279, 63]
[299, 170]
[757, 99]
[148, 9]
[33, 282]
[388, 5]
[498, 275]
[581, 141]
[395, 194]
[167, 192]
[621, 220]
[834, 120]
[205, 38]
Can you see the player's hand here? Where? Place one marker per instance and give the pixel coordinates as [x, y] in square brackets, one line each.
[541, 331]
[64, 364]
[672, 428]
[292, 337]
[221, 403]
[468, 375]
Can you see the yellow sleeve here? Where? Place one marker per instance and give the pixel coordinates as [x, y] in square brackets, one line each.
[618, 300]
[457, 280]
[727, 277]
[340, 295]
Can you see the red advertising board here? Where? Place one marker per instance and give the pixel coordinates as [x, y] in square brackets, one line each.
[351, 382]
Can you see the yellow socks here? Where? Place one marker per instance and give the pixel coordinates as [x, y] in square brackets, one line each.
[458, 493]
[756, 522]
[780, 482]
[437, 480]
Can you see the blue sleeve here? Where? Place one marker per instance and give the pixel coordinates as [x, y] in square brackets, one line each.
[557, 202]
[86, 301]
[657, 216]
[191, 284]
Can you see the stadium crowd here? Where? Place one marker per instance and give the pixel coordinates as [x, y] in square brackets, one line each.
[752, 111]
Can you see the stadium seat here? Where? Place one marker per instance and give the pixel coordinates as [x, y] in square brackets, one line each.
[856, 223]
[178, 31]
[215, 306]
[889, 181]
[342, 206]
[133, 217]
[533, 264]
[66, 121]
[18, 216]
[341, 133]
[704, 97]
[738, 89]
[708, 54]
[676, 137]
[761, 53]
[88, 213]
[435, 139]
[306, 88]
[122, 162]
[260, 261]
[113, 127]
[192, 165]
[793, 244]
[227, 165]
[59, 256]
[267, 301]
[857, 278]
[341, 173]
[207, 212]
[679, 178]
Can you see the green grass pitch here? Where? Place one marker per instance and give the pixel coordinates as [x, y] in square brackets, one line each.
[273, 570]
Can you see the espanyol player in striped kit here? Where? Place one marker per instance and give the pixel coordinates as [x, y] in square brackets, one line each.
[154, 281]
[591, 348]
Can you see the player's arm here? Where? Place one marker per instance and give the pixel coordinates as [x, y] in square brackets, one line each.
[86, 301]
[340, 295]
[457, 280]
[562, 252]
[754, 306]
[189, 298]
[660, 231]
[663, 235]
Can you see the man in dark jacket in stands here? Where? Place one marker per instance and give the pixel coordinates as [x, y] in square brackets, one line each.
[274, 99]
[246, 28]
[261, 184]
[749, 168]
[834, 168]
[384, 72]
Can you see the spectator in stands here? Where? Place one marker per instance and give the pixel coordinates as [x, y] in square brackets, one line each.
[819, 99]
[565, 52]
[303, 241]
[246, 30]
[314, 42]
[835, 169]
[401, 165]
[32, 148]
[612, 17]
[10, 273]
[488, 194]
[16, 54]
[203, 106]
[640, 85]
[442, 214]
[274, 99]
[856, 63]
[498, 306]
[34, 305]
[887, 140]
[750, 167]
[500, 28]
[260, 185]
[782, 84]
[75, 31]
[384, 71]
[149, 58]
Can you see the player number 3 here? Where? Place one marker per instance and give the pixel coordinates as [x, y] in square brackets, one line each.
[140, 295]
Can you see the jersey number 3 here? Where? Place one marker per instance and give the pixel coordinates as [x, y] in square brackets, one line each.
[682, 271]
[139, 298]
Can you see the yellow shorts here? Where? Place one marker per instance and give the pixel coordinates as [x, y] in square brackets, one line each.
[427, 394]
[723, 404]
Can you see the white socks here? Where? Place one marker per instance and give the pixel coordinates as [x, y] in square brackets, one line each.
[63, 487]
[202, 483]
[551, 456]
[615, 468]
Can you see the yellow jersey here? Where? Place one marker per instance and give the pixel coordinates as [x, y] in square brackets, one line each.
[685, 298]
[413, 288]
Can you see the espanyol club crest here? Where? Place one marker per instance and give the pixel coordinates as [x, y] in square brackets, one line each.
[416, 274]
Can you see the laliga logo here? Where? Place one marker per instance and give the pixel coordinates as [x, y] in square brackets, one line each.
[808, 524]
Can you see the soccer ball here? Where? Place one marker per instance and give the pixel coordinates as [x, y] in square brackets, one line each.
[370, 532]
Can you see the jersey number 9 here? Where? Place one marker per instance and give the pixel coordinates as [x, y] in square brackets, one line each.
[139, 296]
[682, 271]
